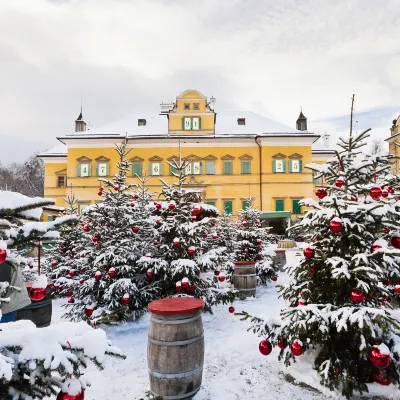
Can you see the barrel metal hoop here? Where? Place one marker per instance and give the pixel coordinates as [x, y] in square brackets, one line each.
[244, 275]
[177, 343]
[246, 290]
[182, 396]
[38, 304]
[176, 376]
[175, 321]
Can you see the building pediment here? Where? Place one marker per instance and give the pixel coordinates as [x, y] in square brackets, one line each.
[84, 159]
[62, 172]
[192, 94]
[155, 159]
[136, 159]
[192, 157]
[102, 159]
[227, 157]
[295, 156]
[245, 157]
[279, 156]
[210, 158]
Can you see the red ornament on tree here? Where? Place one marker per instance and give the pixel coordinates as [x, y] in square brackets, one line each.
[71, 273]
[231, 309]
[176, 243]
[111, 272]
[395, 241]
[321, 193]
[382, 380]
[214, 236]
[135, 229]
[155, 242]
[384, 230]
[281, 343]
[71, 300]
[397, 289]
[217, 272]
[191, 251]
[116, 187]
[336, 225]
[132, 205]
[301, 303]
[259, 241]
[89, 311]
[205, 235]
[221, 277]
[296, 348]
[86, 228]
[125, 299]
[3, 255]
[375, 247]
[312, 271]
[191, 288]
[97, 275]
[150, 274]
[56, 287]
[81, 281]
[265, 347]
[357, 296]
[171, 206]
[65, 396]
[95, 239]
[385, 193]
[308, 252]
[380, 356]
[158, 222]
[68, 293]
[185, 283]
[178, 286]
[274, 279]
[53, 263]
[37, 294]
[244, 223]
[339, 182]
[100, 193]
[375, 192]
[158, 206]
[390, 189]
[135, 197]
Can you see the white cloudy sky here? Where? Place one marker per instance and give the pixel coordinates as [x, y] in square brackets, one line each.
[268, 56]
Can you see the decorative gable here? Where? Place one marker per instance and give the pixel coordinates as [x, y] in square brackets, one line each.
[62, 172]
[227, 157]
[172, 158]
[84, 160]
[155, 159]
[295, 156]
[102, 159]
[245, 157]
[192, 157]
[210, 158]
[278, 156]
[136, 159]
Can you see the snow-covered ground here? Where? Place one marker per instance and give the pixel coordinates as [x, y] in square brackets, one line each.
[233, 368]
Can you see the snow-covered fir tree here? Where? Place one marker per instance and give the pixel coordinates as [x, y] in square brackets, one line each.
[338, 309]
[184, 262]
[252, 243]
[36, 363]
[107, 283]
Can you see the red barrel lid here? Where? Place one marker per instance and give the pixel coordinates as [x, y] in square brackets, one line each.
[176, 305]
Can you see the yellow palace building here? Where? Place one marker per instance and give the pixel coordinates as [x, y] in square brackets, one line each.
[231, 156]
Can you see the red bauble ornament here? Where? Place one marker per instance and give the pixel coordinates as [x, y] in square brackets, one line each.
[185, 283]
[281, 343]
[150, 274]
[68, 293]
[53, 263]
[244, 223]
[221, 278]
[245, 250]
[191, 288]
[97, 275]
[100, 193]
[191, 251]
[296, 348]
[274, 279]
[135, 229]
[259, 241]
[380, 360]
[158, 206]
[339, 182]
[384, 230]
[111, 272]
[158, 222]
[132, 205]
[321, 193]
[397, 289]
[125, 299]
[71, 273]
[178, 286]
[308, 252]
[214, 236]
[116, 187]
[171, 206]
[385, 193]
[375, 247]
[135, 197]
[336, 226]
[231, 309]
[357, 296]
[95, 239]
[375, 192]
[37, 294]
[382, 380]
[81, 281]
[63, 249]
[176, 243]
[217, 272]
[56, 288]
[390, 189]
[205, 235]
[395, 241]
[301, 303]
[312, 271]
[71, 300]
[89, 312]
[3, 255]
[354, 198]
[155, 242]
[265, 347]
[196, 210]
[30, 266]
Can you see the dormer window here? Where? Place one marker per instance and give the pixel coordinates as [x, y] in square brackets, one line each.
[241, 121]
[186, 106]
[141, 122]
[196, 106]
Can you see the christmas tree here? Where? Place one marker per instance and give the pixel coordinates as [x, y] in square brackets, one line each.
[252, 243]
[106, 283]
[338, 294]
[37, 363]
[184, 262]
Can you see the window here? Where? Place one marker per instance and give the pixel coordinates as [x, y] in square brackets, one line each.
[137, 168]
[210, 167]
[245, 167]
[61, 181]
[142, 122]
[155, 169]
[278, 166]
[83, 170]
[245, 205]
[241, 121]
[102, 169]
[316, 181]
[173, 170]
[196, 123]
[228, 208]
[227, 167]
[211, 203]
[186, 106]
[51, 218]
[196, 106]
[279, 205]
[191, 123]
[295, 165]
[296, 207]
[193, 168]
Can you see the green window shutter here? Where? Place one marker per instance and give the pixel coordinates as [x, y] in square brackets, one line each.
[273, 165]
[245, 205]
[78, 170]
[97, 169]
[172, 170]
[108, 169]
[199, 123]
[183, 123]
[300, 165]
[290, 166]
[245, 167]
[89, 169]
[279, 205]
[284, 166]
[296, 207]
[228, 208]
[211, 203]
[201, 168]
[137, 169]
[51, 218]
[227, 167]
[161, 168]
[210, 167]
[151, 169]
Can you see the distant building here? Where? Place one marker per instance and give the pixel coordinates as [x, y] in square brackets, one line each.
[394, 144]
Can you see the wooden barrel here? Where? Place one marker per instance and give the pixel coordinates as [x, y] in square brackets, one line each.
[245, 278]
[280, 258]
[39, 312]
[175, 351]
[286, 244]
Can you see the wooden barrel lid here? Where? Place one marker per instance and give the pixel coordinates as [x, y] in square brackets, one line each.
[244, 262]
[176, 306]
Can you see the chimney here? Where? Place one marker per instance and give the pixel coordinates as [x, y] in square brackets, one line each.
[301, 123]
[325, 140]
[80, 124]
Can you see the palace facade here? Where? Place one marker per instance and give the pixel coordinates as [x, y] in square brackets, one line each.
[232, 155]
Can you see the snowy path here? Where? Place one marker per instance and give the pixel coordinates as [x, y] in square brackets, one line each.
[234, 368]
